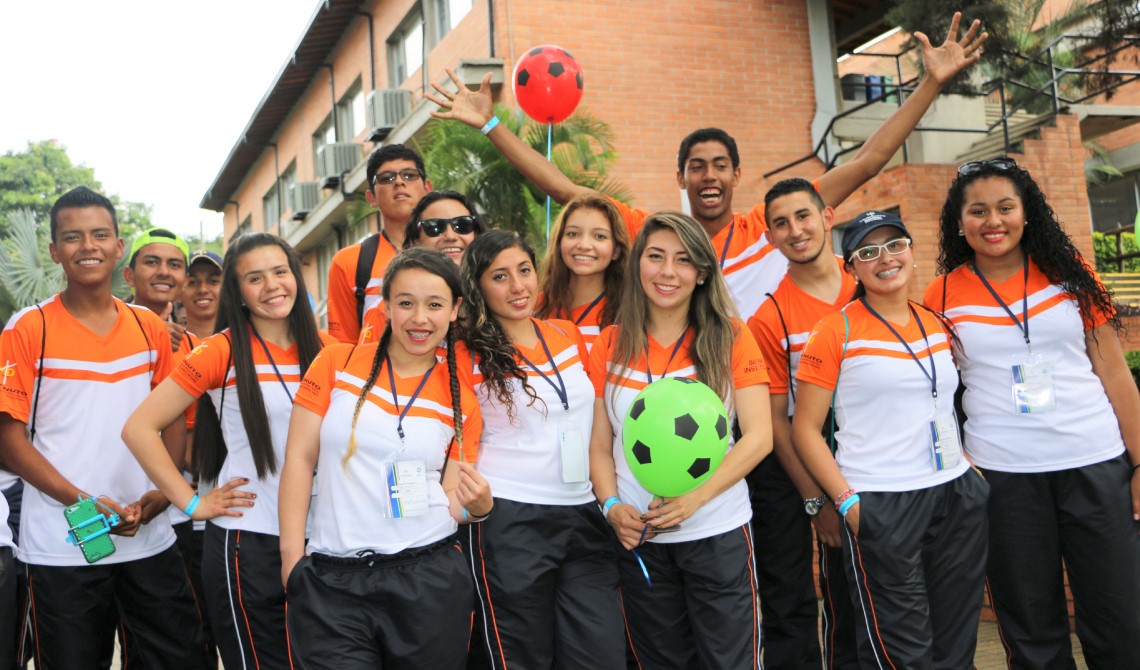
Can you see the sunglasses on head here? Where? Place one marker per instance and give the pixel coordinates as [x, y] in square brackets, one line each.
[462, 225]
[974, 167]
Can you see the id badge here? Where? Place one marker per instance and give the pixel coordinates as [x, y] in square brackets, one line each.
[1033, 391]
[573, 450]
[407, 488]
[945, 441]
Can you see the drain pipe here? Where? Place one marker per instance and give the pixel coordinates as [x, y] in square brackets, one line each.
[371, 44]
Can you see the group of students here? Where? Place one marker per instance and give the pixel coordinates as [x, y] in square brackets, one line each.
[440, 481]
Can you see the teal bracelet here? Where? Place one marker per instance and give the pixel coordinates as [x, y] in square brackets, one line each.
[490, 125]
[192, 505]
[848, 504]
[608, 503]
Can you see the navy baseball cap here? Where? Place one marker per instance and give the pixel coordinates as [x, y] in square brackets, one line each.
[855, 232]
[208, 256]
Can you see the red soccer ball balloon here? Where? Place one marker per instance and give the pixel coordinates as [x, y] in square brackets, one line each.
[548, 83]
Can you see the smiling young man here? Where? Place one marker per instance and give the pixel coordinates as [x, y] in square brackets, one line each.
[156, 273]
[81, 361]
[786, 501]
[708, 166]
[396, 182]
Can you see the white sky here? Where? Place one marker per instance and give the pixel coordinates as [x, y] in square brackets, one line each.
[151, 94]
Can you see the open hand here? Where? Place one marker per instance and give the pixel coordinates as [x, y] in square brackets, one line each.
[945, 62]
[222, 501]
[471, 107]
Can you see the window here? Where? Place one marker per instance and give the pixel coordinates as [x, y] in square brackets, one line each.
[285, 183]
[406, 49]
[1116, 203]
[448, 14]
[326, 134]
[350, 112]
[271, 206]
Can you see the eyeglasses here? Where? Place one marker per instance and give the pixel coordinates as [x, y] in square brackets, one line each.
[974, 167]
[462, 225]
[873, 251]
[389, 177]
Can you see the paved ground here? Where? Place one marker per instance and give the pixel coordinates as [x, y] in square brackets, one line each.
[991, 656]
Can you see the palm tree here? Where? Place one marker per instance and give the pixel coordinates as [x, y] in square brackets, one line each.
[459, 157]
[27, 273]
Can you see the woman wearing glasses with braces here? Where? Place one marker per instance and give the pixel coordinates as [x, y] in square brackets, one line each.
[914, 535]
[445, 221]
[1053, 420]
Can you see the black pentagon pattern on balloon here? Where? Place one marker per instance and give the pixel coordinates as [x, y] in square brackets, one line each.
[534, 52]
[641, 453]
[721, 427]
[578, 79]
[685, 427]
[699, 467]
[568, 54]
[637, 408]
[556, 69]
[524, 77]
[685, 380]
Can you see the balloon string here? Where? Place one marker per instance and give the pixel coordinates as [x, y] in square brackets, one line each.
[549, 146]
[644, 570]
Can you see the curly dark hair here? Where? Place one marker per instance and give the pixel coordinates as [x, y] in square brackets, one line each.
[1043, 240]
[481, 330]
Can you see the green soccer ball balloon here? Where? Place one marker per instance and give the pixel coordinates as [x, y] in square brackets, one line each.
[675, 435]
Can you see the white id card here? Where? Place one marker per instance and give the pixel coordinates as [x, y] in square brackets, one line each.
[407, 488]
[1033, 391]
[573, 450]
[945, 441]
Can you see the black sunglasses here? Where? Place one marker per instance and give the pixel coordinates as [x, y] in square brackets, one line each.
[462, 225]
[974, 167]
[388, 177]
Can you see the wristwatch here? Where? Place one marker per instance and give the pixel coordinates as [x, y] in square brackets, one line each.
[813, 505]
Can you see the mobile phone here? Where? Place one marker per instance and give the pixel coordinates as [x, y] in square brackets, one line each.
[89, 529]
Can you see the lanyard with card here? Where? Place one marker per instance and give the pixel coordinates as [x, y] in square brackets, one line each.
[945, 444]
[572, 447]
[1032, 378]
[405, 478]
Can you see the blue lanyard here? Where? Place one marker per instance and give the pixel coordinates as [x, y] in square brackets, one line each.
[676, 348]
[268, 355]
[384, 233]
[560, 387]
[395, 398]
[589, 308]
[933, 374]
[724, 251]
[1023, 324]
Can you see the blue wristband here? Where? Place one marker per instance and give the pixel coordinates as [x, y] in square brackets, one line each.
[192, 505]
[490, 125]
[608, 503]
[848, 504]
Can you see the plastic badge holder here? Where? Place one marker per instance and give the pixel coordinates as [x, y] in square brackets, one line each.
[89, 529]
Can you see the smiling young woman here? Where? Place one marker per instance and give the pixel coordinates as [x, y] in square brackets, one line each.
[1054, 419]
[914, 512]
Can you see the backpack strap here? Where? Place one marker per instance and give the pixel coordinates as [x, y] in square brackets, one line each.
[787, 345]
[368, 249]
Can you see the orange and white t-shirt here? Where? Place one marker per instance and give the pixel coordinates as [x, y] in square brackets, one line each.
[344, 516]
[1082, 430]
[752, 266]
[522, 461]
[588, 320]
[209, 369]
[343, 324]
[618, 385]
[883, 401]
[89, 387]
[782, 325]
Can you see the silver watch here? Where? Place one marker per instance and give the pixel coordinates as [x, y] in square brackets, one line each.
[813, 505]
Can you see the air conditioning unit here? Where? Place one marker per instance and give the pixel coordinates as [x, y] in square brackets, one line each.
[333, 160]
[387, 107]
[304, 196]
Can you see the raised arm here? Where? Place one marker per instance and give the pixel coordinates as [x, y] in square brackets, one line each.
[475, 109]
[941, 64]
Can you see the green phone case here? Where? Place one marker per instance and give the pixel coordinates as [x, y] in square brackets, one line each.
[89, 529]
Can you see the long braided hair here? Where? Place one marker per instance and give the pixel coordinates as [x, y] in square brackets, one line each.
[431, 261]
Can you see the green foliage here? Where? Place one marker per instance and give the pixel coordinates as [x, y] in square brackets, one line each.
[1009, 24]
[35, 178]
[458, 157]
[1133, 360]
[1105, 248]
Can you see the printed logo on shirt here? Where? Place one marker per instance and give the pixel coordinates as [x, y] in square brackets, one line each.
[366, 334]
[754, 365]
[9, 370]
[198, 349]
[810, 360]
[310, 385]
